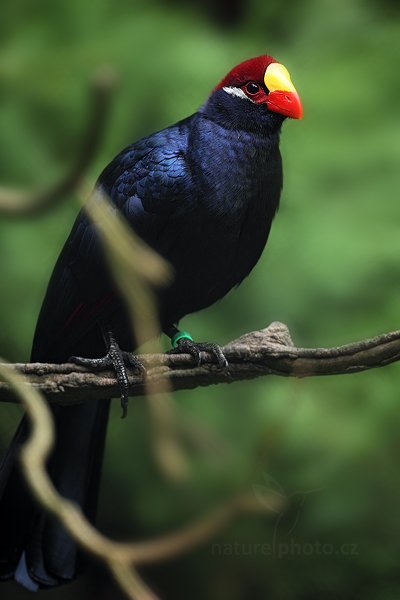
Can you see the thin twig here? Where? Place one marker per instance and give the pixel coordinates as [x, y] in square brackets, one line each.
[18, 203]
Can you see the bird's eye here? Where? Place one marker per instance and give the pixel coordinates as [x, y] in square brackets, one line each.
[252, 88]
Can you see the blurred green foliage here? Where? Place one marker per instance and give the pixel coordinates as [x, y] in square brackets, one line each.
[330, 271]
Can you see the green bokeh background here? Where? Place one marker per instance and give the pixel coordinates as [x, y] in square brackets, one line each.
[330, 271]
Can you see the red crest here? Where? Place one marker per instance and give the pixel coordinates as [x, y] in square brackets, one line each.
[249, 70]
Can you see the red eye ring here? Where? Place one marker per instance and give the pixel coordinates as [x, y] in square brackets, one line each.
[252, 88]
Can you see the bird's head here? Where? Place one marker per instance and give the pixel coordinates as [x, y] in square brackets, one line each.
[255, 89]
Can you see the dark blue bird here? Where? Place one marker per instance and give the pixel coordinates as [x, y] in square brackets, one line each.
[203, 194]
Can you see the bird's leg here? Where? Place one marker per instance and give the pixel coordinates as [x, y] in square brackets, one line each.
[182, 343]
[117, 359]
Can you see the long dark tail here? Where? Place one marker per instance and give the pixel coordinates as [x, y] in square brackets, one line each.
[34, 548]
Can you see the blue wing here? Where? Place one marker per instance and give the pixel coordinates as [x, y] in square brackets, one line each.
[150, 183]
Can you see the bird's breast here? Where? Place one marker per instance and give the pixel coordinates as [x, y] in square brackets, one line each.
[237, 183]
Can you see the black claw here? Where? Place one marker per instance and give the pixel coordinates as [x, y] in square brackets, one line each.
[216, 351]
[117, 359]
[124, 406]
[134, 362]
[186, 346]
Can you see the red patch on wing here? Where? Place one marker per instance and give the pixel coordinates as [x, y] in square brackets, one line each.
[98, 306]
[249, 70]
[87, 311]
[73, 315]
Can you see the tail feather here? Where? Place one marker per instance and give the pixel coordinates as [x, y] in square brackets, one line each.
[34, 547]
[16, 507]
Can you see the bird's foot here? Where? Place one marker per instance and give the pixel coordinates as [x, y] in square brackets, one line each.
[183, 344]
[118, 360]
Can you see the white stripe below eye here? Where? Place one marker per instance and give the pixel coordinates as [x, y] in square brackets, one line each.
[235, 91]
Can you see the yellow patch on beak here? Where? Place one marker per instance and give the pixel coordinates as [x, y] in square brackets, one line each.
[277, 78]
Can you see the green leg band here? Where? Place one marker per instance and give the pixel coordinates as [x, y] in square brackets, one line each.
[179, 335]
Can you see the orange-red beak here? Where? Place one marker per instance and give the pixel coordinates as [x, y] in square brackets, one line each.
[283, 97]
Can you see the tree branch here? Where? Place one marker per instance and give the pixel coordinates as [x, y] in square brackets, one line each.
[269, 351]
